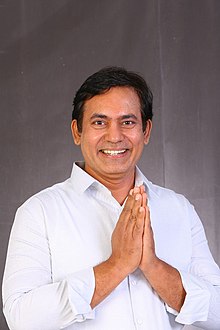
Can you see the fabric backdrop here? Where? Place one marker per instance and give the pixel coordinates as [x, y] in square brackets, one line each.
[48, 48]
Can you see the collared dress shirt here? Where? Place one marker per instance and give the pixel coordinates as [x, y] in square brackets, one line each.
[61, 233]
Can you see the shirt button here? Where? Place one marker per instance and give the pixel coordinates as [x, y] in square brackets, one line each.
[139, 321]
[133, 282]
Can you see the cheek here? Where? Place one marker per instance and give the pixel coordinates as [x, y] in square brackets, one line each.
[136, 137]
[90, 139]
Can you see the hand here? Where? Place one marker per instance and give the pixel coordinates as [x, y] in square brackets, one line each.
[149, 257]
[127, 236]
[163, 278]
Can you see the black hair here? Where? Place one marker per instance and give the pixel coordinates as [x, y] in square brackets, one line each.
[107, 78]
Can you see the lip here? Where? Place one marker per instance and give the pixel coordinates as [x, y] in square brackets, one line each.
[115, 153]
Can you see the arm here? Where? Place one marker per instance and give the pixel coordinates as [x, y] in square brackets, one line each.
[163, 278]
[195, 295]
[137, 250]
[30, 296]
[202, 282]
[126, 250]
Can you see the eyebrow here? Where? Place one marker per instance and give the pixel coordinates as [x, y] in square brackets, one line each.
[98, 115]
[102, 116]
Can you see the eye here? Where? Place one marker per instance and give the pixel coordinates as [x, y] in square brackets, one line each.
[98, 123]
[128, 123]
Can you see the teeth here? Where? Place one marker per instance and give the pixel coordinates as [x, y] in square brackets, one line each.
[113, 152]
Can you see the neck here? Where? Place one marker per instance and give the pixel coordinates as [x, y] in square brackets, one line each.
[117, 184]
[120, 188]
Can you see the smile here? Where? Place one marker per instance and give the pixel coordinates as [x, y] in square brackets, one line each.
[113, 152]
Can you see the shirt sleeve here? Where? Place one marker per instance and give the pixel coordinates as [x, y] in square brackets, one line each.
[31, 300]
[201, 283]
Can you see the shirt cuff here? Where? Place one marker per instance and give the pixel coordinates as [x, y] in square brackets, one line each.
[81, 286]
[197, 300]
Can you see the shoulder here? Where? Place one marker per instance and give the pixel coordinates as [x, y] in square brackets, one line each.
[166, 195]
[46, 197]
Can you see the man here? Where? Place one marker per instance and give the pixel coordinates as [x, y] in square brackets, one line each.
[107, 249]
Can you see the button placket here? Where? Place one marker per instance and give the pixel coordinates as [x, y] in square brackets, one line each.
[134, 282]
[139, 322]
[133, 295]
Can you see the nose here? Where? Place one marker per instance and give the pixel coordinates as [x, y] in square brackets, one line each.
[114, 133]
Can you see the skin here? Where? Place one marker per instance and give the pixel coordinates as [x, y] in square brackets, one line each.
[112, 122]
[112, 141]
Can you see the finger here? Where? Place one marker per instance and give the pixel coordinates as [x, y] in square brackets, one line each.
[138, 228]
[142, 189]
[147, 215]
[144, 195]
[126, 212]
[148, 237]
[136, 190]
[136, 205]
[134, 216]
[144, 199]
[147, 224]
[129, 201]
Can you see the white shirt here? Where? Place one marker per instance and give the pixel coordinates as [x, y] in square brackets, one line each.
[61, 233]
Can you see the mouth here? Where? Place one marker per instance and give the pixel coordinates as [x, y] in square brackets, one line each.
[113, 152]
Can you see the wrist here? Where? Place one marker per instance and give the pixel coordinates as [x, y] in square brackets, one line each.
[151, 266]
[117, 268]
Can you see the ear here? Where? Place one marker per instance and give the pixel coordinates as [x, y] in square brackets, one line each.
[147, 131]
[75, 133]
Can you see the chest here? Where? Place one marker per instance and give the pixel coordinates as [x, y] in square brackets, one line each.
[79, 234]
[172, 234]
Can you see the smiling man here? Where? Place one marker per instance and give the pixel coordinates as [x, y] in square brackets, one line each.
[107, 249]
[112, 138]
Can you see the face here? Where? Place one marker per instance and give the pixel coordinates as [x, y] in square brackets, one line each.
[112, 138]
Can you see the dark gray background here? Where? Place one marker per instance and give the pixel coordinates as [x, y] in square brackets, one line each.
[48, 48]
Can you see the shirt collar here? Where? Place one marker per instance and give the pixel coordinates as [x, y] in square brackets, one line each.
[82, 180]
[150, 188]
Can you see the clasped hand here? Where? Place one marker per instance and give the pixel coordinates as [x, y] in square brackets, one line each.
[132, 240]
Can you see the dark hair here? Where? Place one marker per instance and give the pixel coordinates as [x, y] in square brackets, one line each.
[106, 78]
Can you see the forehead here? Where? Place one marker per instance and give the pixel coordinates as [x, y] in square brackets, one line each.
[116, 101]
